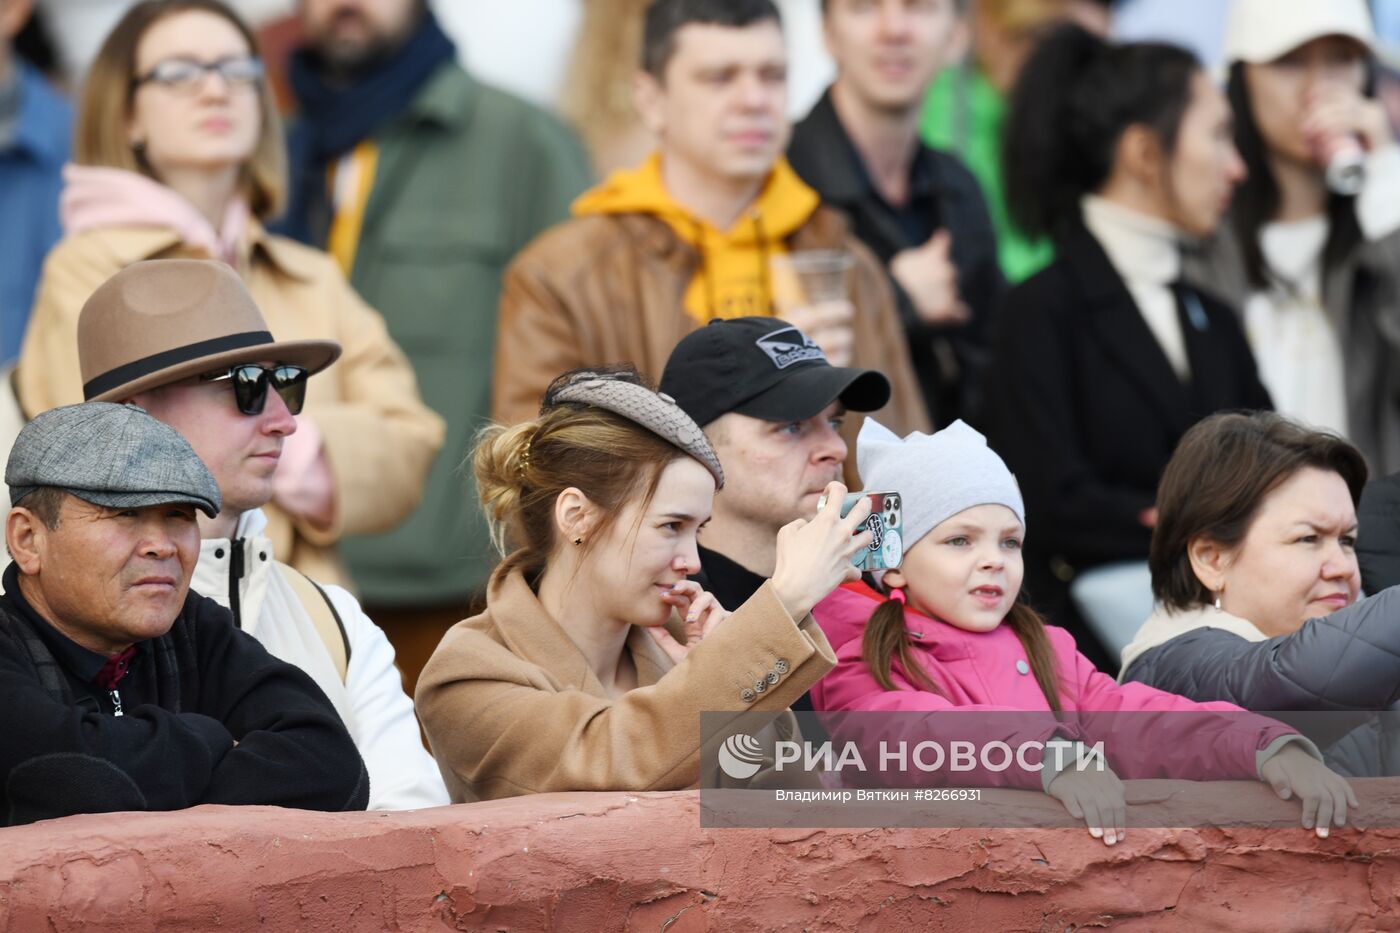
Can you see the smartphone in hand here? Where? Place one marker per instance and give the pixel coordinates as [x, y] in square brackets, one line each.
[885, 524]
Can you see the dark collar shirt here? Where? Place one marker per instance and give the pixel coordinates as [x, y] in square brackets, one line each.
[943, 194]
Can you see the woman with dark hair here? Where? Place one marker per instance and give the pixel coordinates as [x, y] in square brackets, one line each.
[1254, 568]
[1311, 252]
[568, 680]
[1103, 360]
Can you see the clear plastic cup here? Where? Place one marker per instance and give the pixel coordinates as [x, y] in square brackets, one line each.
[809, 277]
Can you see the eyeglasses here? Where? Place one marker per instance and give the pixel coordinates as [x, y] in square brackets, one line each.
[250, 382]
[185, 75]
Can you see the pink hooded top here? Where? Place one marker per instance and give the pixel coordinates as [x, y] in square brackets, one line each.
[1146, 733]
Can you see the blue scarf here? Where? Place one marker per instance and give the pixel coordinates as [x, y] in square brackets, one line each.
[334, 119]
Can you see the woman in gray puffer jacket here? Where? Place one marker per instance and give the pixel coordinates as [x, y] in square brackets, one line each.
[1255, 574]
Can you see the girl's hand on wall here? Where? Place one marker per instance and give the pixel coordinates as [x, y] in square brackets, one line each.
[1096, 797]
[1292, 772]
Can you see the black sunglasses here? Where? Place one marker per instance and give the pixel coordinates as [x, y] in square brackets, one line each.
[250, 383]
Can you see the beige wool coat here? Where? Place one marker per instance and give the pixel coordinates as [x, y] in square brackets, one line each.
[380, 439]
[512, 707]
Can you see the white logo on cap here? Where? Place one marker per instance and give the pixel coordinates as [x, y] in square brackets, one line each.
[788, 346]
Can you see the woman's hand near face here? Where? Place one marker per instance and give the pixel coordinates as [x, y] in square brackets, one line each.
[1096, 797]
[1292, 772]
[814, 557]
[1334, 111]
[702, 614]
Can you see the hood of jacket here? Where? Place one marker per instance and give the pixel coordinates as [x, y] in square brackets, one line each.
[97, 197]
[1162, 626]
[734, 279]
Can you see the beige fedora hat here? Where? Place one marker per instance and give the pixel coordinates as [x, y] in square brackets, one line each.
[164, 320]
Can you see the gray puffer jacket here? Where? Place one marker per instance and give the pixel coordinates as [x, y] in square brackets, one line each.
[1349, 660]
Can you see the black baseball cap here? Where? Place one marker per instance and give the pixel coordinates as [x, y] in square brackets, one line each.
[765, 368]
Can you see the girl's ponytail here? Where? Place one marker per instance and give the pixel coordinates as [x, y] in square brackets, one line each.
[884, 641]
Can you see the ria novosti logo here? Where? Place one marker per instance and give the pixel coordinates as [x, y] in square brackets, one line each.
[740, 756]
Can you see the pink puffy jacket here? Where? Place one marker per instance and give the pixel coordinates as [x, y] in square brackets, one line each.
[1146, 733]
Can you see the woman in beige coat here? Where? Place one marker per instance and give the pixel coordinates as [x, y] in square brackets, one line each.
[570, 680]
[178, 153]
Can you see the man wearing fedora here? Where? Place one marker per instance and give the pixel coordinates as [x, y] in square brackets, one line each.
[183, 339]
[120, 688]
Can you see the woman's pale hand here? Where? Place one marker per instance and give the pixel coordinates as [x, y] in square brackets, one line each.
[814, 557]
[1096, 797]
[1335, 111]
[702, 614]
[1292, 772]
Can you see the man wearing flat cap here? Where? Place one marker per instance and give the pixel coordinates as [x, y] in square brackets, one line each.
[119, 688]
[183, 339]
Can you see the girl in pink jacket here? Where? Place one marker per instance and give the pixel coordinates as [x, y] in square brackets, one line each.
[946, 632]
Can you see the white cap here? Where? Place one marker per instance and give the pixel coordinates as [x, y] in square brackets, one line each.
[1261, 31]
[936, 475]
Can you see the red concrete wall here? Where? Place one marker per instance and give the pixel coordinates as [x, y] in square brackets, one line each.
[642, 862]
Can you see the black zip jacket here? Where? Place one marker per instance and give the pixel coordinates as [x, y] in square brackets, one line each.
[164, 738]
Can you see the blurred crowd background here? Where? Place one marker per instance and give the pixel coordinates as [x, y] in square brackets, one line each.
[574, 62]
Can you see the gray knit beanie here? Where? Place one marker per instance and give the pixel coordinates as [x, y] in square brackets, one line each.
[936, 475]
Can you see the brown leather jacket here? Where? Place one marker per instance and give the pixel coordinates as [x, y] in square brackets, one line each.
[608, 289]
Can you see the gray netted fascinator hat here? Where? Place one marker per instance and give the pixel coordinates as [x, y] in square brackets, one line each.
[622, 392]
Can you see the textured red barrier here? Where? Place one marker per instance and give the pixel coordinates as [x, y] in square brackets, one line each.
[642, 862]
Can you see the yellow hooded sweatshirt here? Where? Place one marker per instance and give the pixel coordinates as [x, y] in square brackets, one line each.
[734, 278]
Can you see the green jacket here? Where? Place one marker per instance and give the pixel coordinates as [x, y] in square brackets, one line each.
[466, 176]
[964, 114]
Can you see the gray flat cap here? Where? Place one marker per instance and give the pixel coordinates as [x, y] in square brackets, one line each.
[115, 456]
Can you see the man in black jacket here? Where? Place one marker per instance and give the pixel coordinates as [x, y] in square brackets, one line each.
[920, 211]
[119, 688]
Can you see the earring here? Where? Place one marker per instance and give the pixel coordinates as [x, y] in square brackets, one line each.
[1217, 602]
[579, 541]
[138, 146]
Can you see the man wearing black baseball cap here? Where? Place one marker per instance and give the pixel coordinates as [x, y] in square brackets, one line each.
[773, 408]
